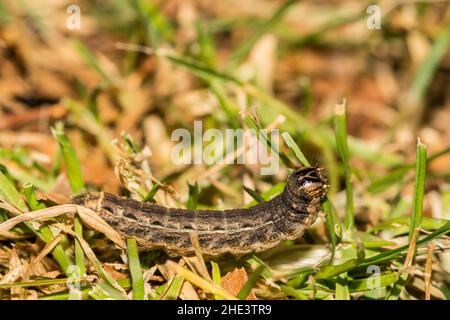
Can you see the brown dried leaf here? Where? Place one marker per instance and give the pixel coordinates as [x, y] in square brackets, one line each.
[234, 281]
[113, 272]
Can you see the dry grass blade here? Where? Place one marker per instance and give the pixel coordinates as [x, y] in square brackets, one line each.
[38, 215]
[197, 263]
[10, 208]
[88, 216]
[204, 284]
[169, 269]
[411, 250]
[44, 252]
[95, 222]
[428, 269]
[13, 274]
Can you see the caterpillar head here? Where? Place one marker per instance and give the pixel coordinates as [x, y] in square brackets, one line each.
[308, 184]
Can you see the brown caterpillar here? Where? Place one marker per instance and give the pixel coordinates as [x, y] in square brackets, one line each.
[235, 231]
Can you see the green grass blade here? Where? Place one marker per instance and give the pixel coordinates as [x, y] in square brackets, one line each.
[381, 184]
[174, 289]
[79, 253]
[297, 294]
[269, 194]
[103, 290]
[75, 177]
[58, 252]
[255, 195]
[342, 292]
[229, 107]
[135, 270]
[193, 196]
[429, 224]
[366, 284]
[330, 271]
[84, 295]
[156, 25]
[216, 277]
[151, 194]
[42, 282]
[315, 36]
[207, 49]
[328, 209]
[9, 193]
[419, 189]
[45, 232]
[30, 194]
[334, 270]
[241, 52]
[427, 69]
[90, 59]
[398, 286]
[202, 71]
[262, 136]
[248, 286]
[73, 168]
[294, 147]
[64, 295]
[340, 127]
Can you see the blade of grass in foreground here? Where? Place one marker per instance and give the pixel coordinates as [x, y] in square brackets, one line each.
[429, 224]
[174, 289]
[419, 189]
[215, 272]
[109, 281]
[30, 195]
[151, 194]
[294, 147]
[42, 282]
[248, 286]
[73, 168]
[9, 194]
[263, 137]
[46, 234]
[342, 292]
[76, 181]
[340, 129]
[415, 221]
[326, 206]
[297, 294]
[398, 286]
[64, 295]
[204, 284]
[255, 195]
[135, 270]
[193, 196]
[79, 254]
[331, 271]
[269, 194]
